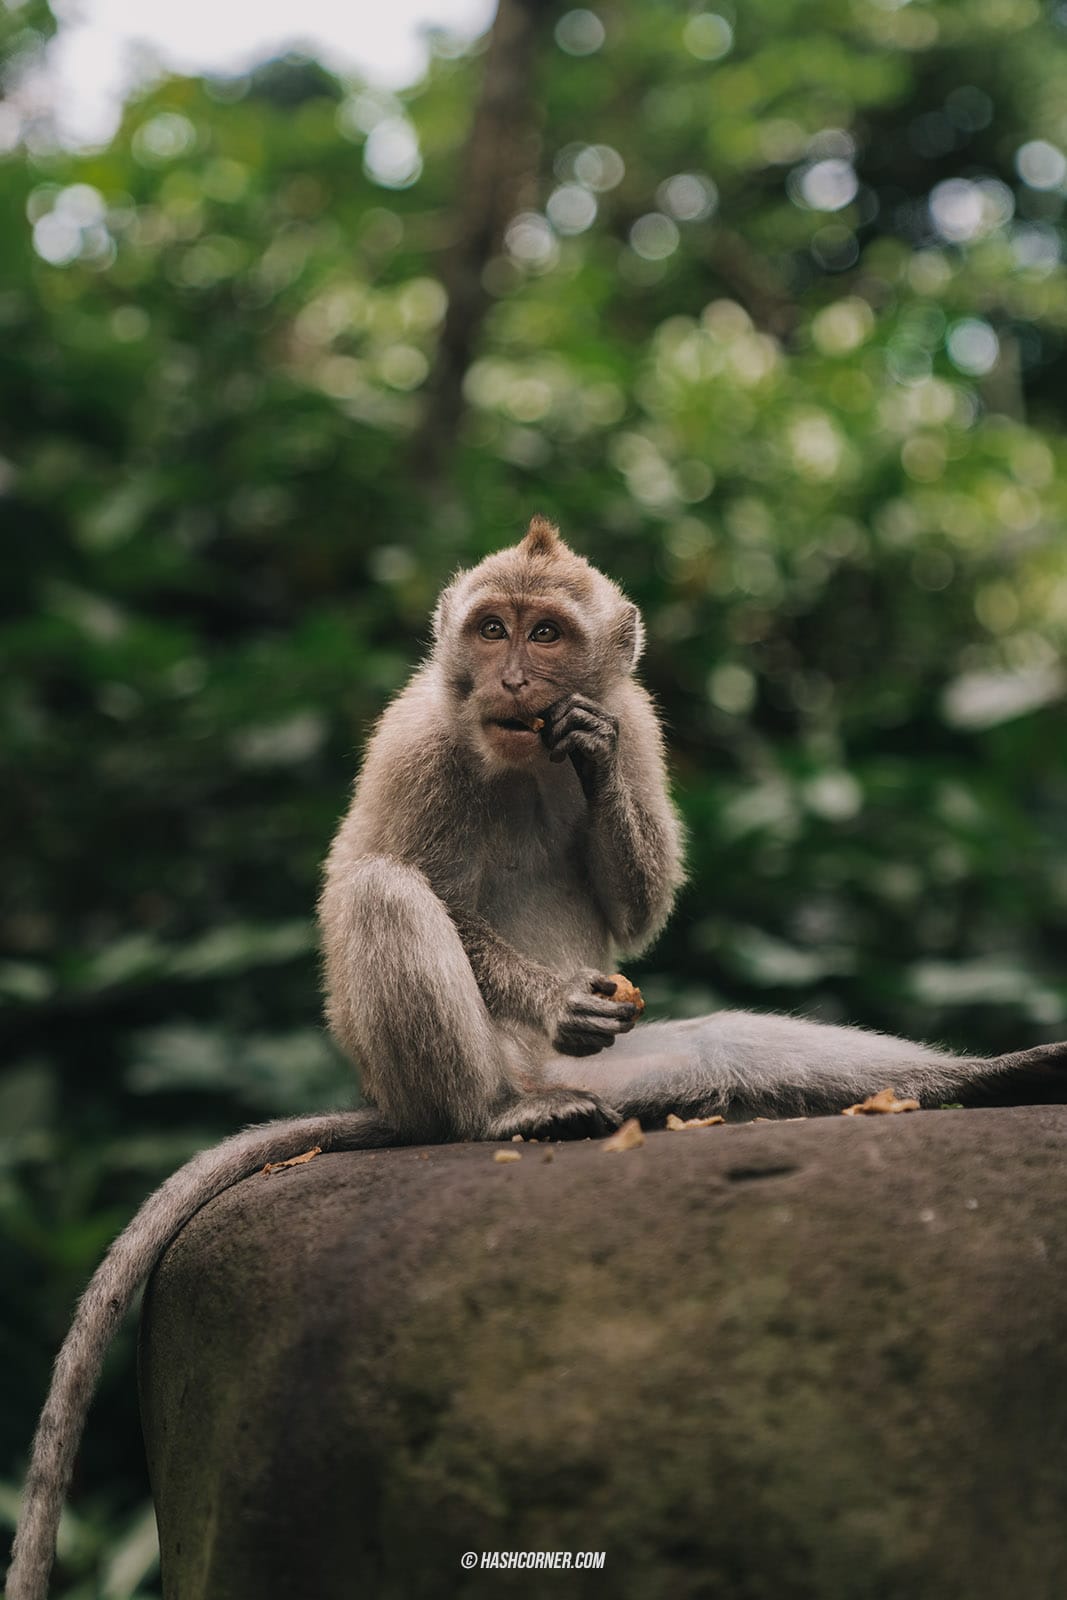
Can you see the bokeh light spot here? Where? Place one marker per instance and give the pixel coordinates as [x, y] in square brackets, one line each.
[732, 688]
[708, 36]
[962, 210]
[688, 197]
[571, 208]
[654, 236]
[599, 167]
[531, 241]
[391, 154]
[1041, 165]
[973, 347]
[842, 326]
[828, 185]
[163, 138]
[580, 33]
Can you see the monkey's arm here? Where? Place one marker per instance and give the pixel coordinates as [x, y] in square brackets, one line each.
[576, 1012]
[634, 840]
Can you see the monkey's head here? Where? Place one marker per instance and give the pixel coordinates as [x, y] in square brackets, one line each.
[521, 630]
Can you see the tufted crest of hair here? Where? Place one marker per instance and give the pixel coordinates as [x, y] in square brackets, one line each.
[542, 537]
[541, 566]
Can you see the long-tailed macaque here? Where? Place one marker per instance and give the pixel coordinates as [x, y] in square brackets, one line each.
[510, 835]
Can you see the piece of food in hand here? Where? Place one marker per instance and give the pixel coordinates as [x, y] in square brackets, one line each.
[626, 992]
[536, 723]
[883, 1103]
[628, 1137]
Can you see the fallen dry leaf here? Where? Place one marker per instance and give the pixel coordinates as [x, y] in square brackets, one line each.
[293, 1161]
[677, 1125]
[884, 1102]
[628, 1137]
[507, 1155]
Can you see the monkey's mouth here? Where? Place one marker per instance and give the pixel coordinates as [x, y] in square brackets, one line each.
[512, 738]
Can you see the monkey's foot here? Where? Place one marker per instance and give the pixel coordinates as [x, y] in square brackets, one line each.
[1022, 1077]
[555, 1114]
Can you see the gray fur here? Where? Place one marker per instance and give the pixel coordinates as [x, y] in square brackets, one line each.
[742, 1064]
[470, 899]
[479, 889]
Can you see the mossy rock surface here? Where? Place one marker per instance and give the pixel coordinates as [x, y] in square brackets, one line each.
[820, 1360]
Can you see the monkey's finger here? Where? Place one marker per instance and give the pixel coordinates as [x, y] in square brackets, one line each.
[579, 702]
[596, 1031]
[600, 714]
[593, 1038]
[578, 717]
[557, 1114]
[573, 1044]
[596, 1027]
[587, 1121]
[596, 739]
[578, 720]
[579, 699]
[579, 742]
[594, 1022]
[591, 1006]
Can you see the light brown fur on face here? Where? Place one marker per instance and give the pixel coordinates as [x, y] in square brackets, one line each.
[539, 653]
[516, 676]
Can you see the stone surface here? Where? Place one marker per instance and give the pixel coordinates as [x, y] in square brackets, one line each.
[771, 1361]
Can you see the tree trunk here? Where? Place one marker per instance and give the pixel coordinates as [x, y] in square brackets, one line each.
[497, 178]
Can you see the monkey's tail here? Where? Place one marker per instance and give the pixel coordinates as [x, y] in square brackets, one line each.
[110, 1291]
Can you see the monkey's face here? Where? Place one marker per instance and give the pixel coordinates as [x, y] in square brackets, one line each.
[517, 656]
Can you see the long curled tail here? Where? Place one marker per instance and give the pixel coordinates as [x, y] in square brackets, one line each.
[111, 1289]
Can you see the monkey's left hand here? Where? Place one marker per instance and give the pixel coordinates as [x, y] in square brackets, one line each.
[579, 728]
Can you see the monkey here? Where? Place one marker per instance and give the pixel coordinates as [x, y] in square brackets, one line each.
[510, 865]
[510, 835]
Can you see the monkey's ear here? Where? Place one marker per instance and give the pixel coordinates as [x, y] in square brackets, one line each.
[630, 633]
[439, 620]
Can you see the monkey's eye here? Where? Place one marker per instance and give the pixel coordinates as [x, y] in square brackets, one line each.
[545, 633]
[493, 628]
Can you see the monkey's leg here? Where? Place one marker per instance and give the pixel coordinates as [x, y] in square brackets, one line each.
[743, 1064]
[404, 1002]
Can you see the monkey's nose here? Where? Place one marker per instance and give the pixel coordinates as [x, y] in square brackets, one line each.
[515, 682]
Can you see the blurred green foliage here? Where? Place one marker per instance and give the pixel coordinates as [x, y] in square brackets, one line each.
[780, 343]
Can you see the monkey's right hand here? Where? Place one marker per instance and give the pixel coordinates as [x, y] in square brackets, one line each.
[581, 1020]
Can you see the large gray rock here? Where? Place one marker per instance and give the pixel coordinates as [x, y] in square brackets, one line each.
[760, 1362]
